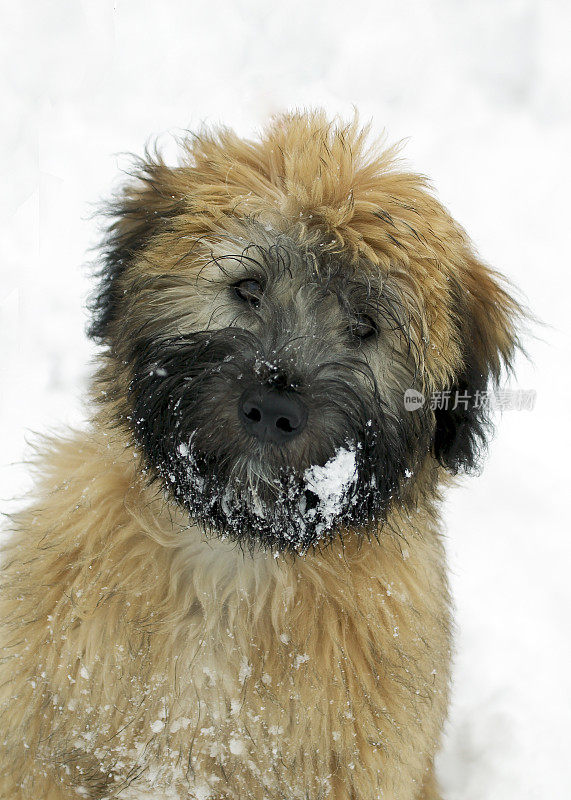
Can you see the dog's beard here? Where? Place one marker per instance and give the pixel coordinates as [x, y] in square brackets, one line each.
[278, 509]
[342, 470]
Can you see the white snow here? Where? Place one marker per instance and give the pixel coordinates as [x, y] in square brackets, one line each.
[245, 670]
[482, 89]
[179, 724]
[237, 747]
[331, 482]
[157, 725]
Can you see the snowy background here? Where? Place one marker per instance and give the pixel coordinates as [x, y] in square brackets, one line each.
[482, 90]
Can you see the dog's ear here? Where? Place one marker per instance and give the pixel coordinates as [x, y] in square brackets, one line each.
[485, 318]
[144, 207]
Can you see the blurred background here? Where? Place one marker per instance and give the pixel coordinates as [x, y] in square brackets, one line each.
[481, 92]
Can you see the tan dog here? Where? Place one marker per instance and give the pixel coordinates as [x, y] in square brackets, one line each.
[232, 584]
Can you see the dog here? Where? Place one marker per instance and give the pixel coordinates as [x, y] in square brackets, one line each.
[232, 583]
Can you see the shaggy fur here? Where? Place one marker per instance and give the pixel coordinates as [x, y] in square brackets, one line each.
[161, 642]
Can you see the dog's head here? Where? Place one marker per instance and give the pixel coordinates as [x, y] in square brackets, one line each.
[266, 305]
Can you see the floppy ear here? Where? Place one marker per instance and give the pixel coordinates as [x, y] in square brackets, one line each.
[485, 319]
[144, 207]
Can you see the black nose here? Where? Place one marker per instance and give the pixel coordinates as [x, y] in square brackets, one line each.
[270, 415]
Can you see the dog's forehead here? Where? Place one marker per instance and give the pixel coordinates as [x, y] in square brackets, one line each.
[289, 260]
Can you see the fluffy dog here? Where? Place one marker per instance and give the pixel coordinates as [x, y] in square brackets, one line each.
[232, 584]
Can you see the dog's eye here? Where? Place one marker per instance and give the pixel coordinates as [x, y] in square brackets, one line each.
[250, 291]
[363, 326]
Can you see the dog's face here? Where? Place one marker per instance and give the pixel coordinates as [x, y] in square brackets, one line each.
[266, 307]
[268, 389]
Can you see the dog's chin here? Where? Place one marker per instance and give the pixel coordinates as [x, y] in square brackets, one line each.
[286, 509]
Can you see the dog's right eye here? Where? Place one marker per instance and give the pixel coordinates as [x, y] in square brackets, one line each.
[250, 291]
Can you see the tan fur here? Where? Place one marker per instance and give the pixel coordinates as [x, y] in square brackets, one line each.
[141, 659]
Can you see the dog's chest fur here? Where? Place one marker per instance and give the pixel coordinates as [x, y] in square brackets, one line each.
[193, 668]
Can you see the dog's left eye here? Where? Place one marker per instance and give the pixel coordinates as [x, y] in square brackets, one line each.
[363, 326]
[250, 291]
